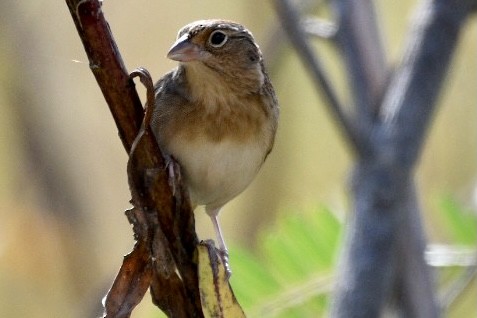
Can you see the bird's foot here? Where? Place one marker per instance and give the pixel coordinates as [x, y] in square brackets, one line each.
[224, 257]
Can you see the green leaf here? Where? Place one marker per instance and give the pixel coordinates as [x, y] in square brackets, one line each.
[251, 280]
[461, 223]
[290, 274]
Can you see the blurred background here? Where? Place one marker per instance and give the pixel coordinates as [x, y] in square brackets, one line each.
[63, 187]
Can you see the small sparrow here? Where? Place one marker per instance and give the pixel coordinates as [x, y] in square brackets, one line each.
[216, 113]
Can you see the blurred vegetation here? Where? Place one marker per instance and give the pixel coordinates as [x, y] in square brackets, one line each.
[290, 273]
[63, 169]
[291, 276]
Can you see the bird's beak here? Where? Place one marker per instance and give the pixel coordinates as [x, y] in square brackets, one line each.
[183, 50]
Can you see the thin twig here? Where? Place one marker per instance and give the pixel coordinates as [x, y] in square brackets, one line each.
[293, 296]
[458, 287]
[359, 41]
[290, 20]
[146, 80]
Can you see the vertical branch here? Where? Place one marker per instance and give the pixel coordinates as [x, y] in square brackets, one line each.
[290, 20]
[410, 101]
[359, 41]
[381, 190]
[388, 138]
[415, 294]
[367, 266]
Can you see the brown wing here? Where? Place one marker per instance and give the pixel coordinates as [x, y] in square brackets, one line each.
[269, 95]
[171, 104]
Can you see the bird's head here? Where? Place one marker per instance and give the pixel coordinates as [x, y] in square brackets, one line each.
[219, 47]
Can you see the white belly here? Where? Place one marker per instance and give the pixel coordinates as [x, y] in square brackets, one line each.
[216, 172]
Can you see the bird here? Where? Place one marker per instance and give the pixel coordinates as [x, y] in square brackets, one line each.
[216, 114]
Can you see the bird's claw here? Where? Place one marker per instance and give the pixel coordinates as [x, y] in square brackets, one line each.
[224, 257]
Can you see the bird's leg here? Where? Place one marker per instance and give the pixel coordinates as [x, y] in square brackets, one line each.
[223, 252]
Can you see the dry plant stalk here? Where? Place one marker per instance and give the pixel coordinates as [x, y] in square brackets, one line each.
[162, 219]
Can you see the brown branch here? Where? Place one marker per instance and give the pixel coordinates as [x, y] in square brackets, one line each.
[162, 219]
[169, 231]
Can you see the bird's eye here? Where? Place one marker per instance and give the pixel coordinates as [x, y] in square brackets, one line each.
[217, 38]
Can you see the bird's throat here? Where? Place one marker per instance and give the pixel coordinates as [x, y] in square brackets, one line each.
[209, 87]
